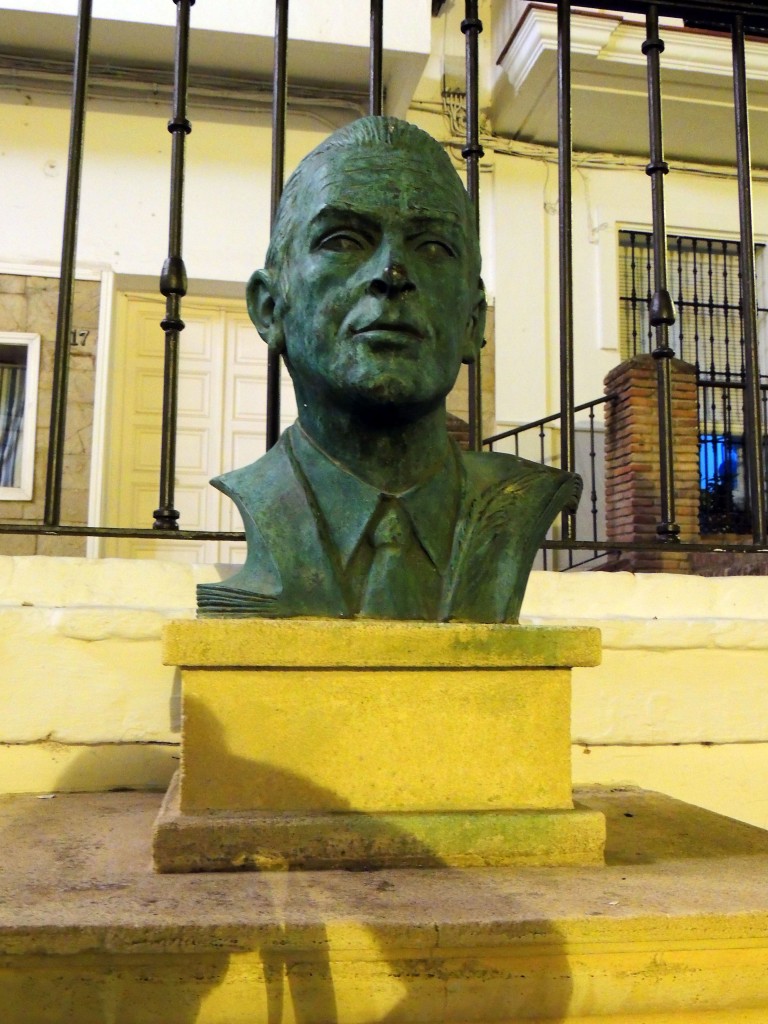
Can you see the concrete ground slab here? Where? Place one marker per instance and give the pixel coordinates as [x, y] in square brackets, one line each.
[673, 928]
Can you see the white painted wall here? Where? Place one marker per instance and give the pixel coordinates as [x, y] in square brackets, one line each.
[680, 703]
[607, 197]
[126, 184]
[124, 217]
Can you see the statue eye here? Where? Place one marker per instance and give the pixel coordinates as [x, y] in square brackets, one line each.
[436, 247]
[341, 241]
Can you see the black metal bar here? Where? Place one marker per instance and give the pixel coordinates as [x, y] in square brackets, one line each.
[633, 296]
[38, 529]
[472, 152]
[279, 106]
[173, 279]
[662, 313]
[678, 272]
[592, 472]
[55, 466]
[696, 311]
[564, 153]
[650, 545]
[649, 286]
[708, 381]
[753, 430]
[375, 74]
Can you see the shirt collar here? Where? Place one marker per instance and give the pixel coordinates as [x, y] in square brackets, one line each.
[349, 503]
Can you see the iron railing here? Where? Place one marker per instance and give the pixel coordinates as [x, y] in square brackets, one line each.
[709, 334]
[737, 17]
[534, 441]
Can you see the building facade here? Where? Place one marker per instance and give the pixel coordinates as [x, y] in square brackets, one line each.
[112, 439]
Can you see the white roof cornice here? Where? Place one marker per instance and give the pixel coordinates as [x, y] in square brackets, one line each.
[612, 39]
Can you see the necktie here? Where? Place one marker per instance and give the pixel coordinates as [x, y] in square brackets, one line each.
[392, 588]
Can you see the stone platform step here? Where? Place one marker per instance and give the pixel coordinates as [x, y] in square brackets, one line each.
[672, 930]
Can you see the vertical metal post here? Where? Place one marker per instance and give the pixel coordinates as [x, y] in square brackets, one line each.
[592, 473]
[753, 447]
[375, 72]
[52, 513]
[564, 188]
[662, 311]
[279, 107]
[173, 279]
[472, 152]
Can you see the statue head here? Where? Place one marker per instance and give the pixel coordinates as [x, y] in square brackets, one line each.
[372, 287]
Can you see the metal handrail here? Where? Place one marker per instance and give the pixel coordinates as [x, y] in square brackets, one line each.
[535, 424]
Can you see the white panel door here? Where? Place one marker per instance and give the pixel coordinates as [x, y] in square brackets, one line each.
[244, 427]
[221, 421]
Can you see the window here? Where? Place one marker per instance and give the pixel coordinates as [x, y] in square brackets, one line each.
[19, 365]
[704, 282]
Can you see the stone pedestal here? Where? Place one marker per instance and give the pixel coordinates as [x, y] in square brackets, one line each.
[314, 743]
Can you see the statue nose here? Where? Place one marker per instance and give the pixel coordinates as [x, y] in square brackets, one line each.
[393, 280]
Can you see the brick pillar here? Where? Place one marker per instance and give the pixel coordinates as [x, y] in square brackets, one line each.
[459, 431]
[632, 485]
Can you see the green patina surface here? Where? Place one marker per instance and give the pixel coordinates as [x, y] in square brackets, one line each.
[372, 295]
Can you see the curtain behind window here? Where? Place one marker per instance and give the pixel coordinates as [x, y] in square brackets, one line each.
[12, 389]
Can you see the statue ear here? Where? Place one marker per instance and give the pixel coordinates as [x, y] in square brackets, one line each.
[263, 308]
[475, 333]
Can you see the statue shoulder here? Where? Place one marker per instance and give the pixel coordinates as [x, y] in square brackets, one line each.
[257, 482]
[257, 587]
[509, 504]
[521, 477]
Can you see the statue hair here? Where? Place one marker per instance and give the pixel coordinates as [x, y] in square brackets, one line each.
[366, 132]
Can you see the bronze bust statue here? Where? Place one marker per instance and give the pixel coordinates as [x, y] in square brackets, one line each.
[366, 507]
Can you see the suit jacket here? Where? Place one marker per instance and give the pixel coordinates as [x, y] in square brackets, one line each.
[507, 505]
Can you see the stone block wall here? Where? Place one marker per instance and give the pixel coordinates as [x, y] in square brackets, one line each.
[29, 304]
[632, 474]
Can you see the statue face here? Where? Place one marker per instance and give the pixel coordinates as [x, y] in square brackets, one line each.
[381, 302]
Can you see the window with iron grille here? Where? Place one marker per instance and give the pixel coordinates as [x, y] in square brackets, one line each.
[704, 281]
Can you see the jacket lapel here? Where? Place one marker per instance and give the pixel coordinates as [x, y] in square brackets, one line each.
[288, 565]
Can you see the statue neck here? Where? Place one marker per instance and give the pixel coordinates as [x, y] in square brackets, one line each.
[390, 457]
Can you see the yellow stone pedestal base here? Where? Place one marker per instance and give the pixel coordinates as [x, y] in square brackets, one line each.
[264, 841]
[322, 743]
